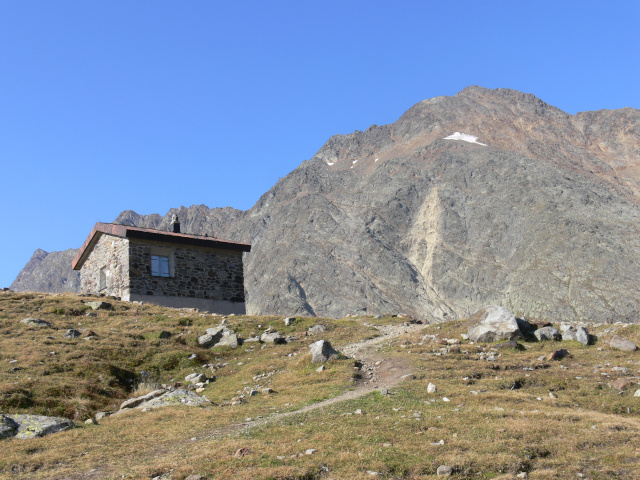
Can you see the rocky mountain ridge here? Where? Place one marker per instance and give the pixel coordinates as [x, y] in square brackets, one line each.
[485, 197]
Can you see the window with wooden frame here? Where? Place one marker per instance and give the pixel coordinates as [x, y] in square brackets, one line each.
[159, 266]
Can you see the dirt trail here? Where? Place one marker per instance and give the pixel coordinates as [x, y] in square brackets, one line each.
[377, 372]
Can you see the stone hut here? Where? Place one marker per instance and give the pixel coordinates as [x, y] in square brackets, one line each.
[166, 268]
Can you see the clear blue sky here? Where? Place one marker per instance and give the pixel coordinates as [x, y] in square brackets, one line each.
[148, 105]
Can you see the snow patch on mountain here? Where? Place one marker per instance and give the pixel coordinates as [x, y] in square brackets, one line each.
[465, 137]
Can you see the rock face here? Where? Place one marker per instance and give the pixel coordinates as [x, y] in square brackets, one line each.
[493, 324]
[48, 272]
[526, 206]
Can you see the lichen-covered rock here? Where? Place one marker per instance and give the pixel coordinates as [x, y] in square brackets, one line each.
[547, 333]
[176, 398]
[493, 324]
[31, 426]
[35, 322]
[321, 351]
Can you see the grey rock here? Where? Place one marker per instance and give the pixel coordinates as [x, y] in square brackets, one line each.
[569, 333]
[547, 333]
[272, 337]
[321, 368]
[219, 336]
[493, 324]
[620, 343]
[317, 329]
[176, 398]
[98, 305]
[35, 322]
[231, 340]
[196, 378]
[289, 321]
[207, 340]
[444, 471]
[31, 426]
[135, 402]
[582, 335]
[431, 388]
[579, 334]
[8, 427]
[507, 345]
[321, 351]
[101, 415]
[71, 333]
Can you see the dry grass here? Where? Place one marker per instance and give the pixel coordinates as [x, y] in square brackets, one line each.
[510, 426]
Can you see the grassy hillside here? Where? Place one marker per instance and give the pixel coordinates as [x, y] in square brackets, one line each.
[514, 415]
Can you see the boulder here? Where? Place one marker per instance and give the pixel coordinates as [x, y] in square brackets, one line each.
[321, 351]
[196, 378]
[31, 426]
[493, 324]
[317, 329]
[444, 471]
[230, 340]
[134, 402]
[547, 333]
[8, 427]
[71, 333]
[622, 383]
[218, 336]
[507, 345]
[176, 398]
[558, 354]
[582, 335]
[35, 322]
[98, 305]
[289, 321]
[272, 337]
[620, 343]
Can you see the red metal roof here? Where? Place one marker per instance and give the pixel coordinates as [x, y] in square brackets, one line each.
[126, 231]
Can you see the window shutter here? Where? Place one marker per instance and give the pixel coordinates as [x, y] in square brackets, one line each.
[164, 266]
[155, 265]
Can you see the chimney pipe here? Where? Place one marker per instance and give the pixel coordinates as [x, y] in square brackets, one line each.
[175, 224]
